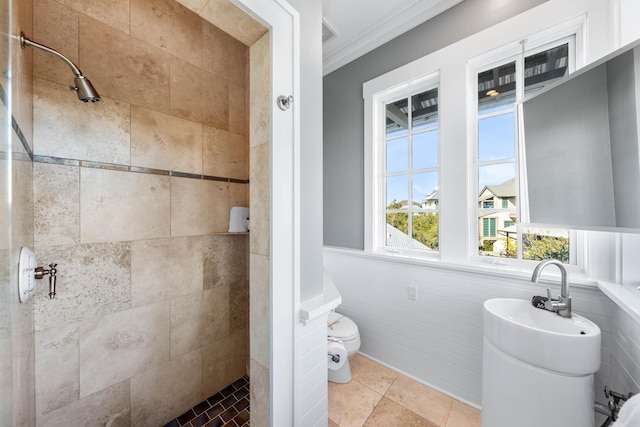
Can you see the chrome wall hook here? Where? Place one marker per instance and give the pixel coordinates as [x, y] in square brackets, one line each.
[284, 102]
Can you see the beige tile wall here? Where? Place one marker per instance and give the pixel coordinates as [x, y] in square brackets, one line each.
[151, 314]
[260, 290]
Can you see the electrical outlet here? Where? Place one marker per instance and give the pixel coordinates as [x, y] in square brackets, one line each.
[413, 292]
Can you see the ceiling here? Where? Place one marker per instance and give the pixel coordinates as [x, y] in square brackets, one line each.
[359, 26]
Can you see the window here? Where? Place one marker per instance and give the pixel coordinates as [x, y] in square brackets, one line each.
[411, 171]
[489, 227]
[463, 188]
[500, 86]
[402, 195]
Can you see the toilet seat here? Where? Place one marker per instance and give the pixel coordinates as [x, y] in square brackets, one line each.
[341, 327]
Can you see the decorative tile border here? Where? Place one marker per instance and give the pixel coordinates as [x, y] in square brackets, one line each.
[136, 169]
[56, 161]
[21, 137]
[99, 165]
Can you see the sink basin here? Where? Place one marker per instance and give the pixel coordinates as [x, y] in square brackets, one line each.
[542, 338]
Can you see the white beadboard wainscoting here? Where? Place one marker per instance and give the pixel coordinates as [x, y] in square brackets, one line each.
[437, 339]
[311, 372]
[625, 353]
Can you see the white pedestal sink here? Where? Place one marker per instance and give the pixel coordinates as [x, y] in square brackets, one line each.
[537, 366]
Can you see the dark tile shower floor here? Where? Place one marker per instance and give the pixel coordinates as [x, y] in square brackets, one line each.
[227, 408]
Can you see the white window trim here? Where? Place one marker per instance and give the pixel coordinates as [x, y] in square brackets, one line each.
[454, 250]
[374, 191]
[574, 29]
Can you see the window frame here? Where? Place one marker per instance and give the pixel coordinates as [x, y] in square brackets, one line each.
[571, 32]
[458, 217]
[375, 195]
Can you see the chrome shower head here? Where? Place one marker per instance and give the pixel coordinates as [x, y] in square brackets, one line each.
[86, 91]
[84, 88]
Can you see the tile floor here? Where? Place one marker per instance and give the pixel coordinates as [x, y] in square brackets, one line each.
[227, 408]
[376, 397]
[380, 397]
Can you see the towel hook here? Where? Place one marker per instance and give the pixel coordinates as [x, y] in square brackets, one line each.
[284, 102]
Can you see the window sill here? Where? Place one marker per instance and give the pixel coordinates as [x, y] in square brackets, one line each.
[496, 267]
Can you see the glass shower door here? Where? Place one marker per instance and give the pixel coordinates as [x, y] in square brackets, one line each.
[6, 353]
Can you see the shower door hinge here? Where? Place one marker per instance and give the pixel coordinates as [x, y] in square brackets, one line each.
[284, 102]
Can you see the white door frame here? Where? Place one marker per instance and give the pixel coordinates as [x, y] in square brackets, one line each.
[283, 21]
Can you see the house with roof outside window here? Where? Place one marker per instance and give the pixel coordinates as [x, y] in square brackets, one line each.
[497, 218]
[431, 201]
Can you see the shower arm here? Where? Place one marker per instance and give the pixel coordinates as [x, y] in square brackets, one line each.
[26, 42]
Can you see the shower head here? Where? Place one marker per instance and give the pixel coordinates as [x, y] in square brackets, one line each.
[86, 91]
[83, 87]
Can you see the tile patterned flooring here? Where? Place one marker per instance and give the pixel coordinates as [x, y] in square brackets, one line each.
[227, 408]
[380, 397]
[376, 397]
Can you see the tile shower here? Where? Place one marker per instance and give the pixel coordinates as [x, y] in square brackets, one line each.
[131, 199]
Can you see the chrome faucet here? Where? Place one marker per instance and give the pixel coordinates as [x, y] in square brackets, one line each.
[562, 306]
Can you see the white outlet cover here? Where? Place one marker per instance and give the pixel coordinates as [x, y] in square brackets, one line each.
[413, 292]
[26, 274]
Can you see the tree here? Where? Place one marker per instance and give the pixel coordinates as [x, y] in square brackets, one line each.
[537, 247]
[424, 225]
[425, 229]
[397, 219]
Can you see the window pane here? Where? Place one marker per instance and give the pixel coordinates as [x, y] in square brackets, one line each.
[543, 243]
[397, 229]
[398, 155]
[397, 117]
[425, 150]
[496, 137]
[424, 109]
[411, 172]
[397, 192]
[544, 68]
[499, 180]
[497, 88]
[425, 189]
[425, 231]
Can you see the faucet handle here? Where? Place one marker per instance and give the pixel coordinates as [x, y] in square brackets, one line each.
[549, 294]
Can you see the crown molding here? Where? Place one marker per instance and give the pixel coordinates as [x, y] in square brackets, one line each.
[336, 55]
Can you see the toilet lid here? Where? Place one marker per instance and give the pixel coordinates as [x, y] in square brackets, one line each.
[339, 326]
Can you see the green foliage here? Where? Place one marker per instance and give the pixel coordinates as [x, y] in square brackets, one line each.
[487, 245]
[424, 225]
[425, 229]
[399, 221]
[537, 247]
[396, 205]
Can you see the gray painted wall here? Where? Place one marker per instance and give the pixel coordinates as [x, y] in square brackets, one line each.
[344, 107]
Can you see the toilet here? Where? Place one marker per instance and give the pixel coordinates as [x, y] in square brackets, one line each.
[342, 329]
